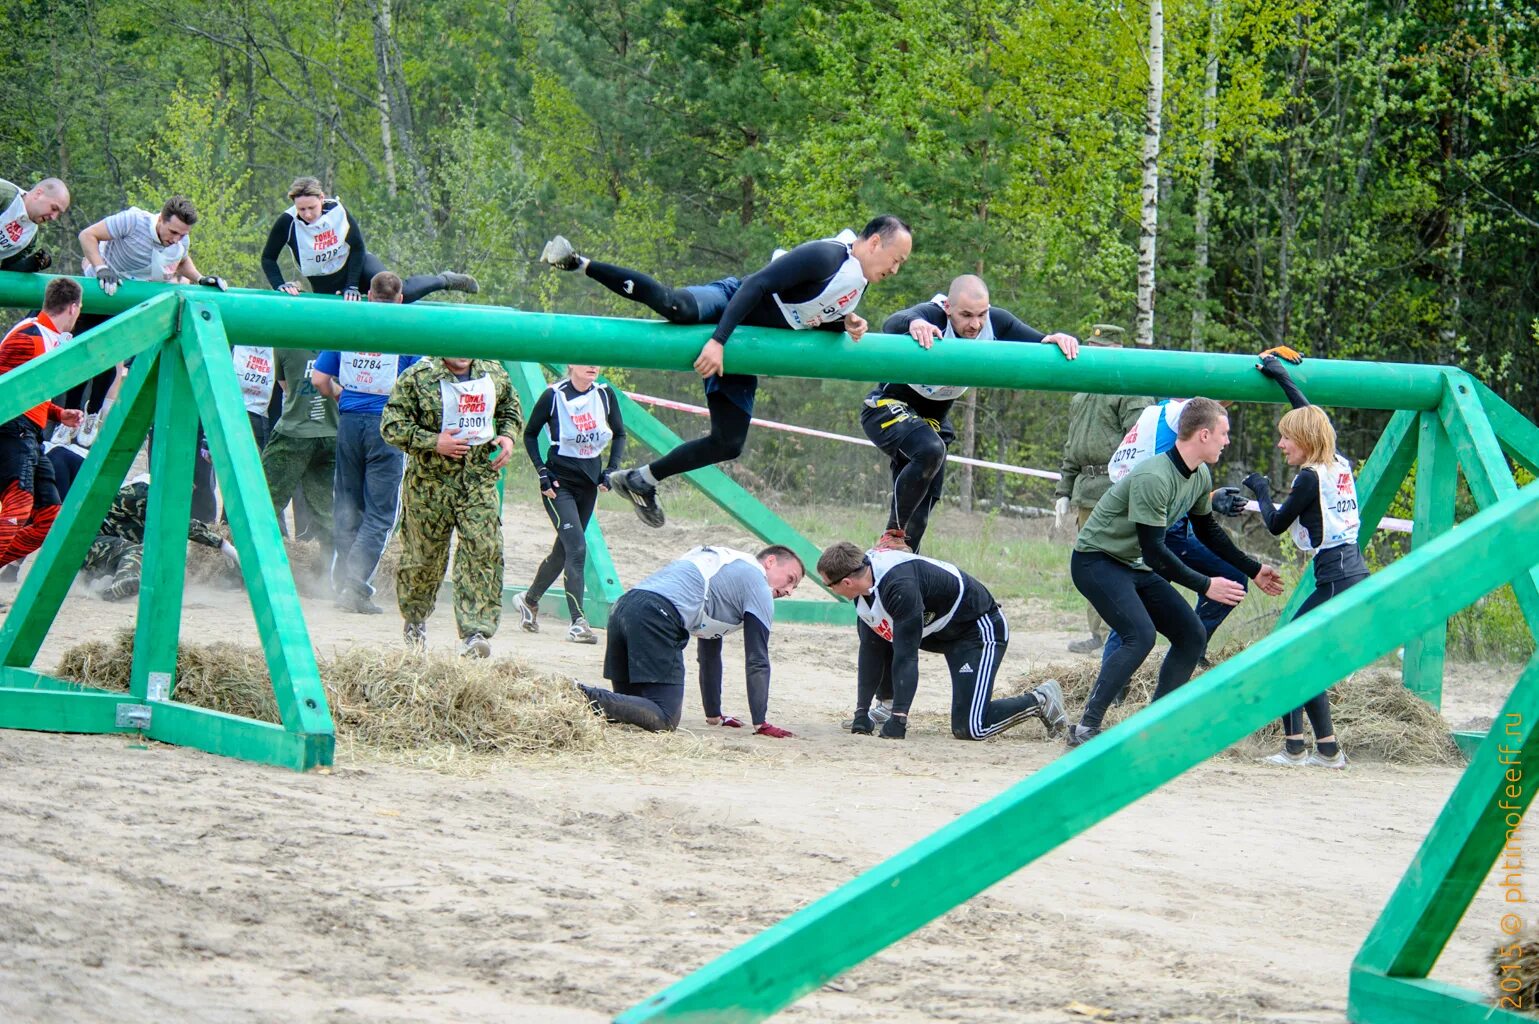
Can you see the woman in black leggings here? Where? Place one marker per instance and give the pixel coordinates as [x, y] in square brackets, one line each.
[1322, 515]
[582, 417]
[328, 246]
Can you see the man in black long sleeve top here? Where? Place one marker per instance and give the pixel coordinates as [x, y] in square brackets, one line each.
[905, 603]
[1123, 567]
[815, 286]
[909, 421]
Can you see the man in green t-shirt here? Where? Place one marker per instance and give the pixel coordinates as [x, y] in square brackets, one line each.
[1123, 567]
[302, 451]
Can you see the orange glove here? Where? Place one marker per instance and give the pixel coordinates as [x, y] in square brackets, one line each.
[1284, 352]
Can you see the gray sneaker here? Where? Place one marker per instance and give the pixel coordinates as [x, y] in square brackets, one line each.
[558, 252]
[416, 635]
[1088, 645]
[643, 498]
[1078, 734]
[528, 614]
[581, 633]
[475, 645]
[457, 282]
[880, 712]
[354, 600]
[1286, 759]
[1050, 705]
[1319, 760]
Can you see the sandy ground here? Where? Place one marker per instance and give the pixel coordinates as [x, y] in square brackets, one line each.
[163, 884]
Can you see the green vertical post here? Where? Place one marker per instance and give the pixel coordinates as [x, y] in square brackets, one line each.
[173, 452]
[1437, 478]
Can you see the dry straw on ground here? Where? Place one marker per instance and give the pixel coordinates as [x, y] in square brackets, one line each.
[1376, 717]
[1515, 967]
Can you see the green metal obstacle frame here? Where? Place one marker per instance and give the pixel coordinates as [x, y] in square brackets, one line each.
[1445, 422]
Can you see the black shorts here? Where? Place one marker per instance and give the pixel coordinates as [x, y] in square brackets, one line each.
[21, 460]
[646, 640]
[889, 427]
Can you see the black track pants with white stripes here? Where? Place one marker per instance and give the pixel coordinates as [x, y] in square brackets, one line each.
[974, 661]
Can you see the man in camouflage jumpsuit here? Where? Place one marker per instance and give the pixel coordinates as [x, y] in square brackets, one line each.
[301, 452]
[115, 561]
[1097, 424]
[456, 420]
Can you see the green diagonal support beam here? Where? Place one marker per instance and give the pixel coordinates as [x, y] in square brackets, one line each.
[1519, 437]
[1437, 482]
[1093, 782]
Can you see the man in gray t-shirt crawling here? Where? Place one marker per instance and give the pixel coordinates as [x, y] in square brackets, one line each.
[709, 592]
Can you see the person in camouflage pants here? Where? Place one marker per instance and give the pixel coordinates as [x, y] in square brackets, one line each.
[300, 455]
[456, 420]
[115, 561]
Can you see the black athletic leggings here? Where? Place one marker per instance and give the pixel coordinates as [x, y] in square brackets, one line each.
[675, 305]
[412, 288]
[729, 431]
[569, 513]
[1137, 605]
[1317, 707]
[918, 462]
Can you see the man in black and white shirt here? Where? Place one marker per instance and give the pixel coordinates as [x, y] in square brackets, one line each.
[906, 603]
[21, 211]
[815, 286]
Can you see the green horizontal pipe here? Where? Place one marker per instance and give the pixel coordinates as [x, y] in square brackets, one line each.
[254, 317]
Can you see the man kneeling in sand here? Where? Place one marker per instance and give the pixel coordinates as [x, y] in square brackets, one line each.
[708, 593]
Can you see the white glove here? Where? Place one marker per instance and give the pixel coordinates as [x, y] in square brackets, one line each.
[228, 550]
[1060, 513]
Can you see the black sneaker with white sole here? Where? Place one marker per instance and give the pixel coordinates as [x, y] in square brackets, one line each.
[642, 496]
[1079, 734]
[528, 614]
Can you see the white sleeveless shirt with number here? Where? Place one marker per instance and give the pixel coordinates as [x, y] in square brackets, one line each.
[582, 422]
[369, 373]
[1155, 431]
[322, 248]
[710, 561]
[1339, 517]
[471, 408]
[839, 296]
[256, 373]
[951, 392]
[870, 609]
[16, 228]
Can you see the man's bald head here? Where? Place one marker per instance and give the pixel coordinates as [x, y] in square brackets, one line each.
[967, 305]
[968, 287]
[46, 201]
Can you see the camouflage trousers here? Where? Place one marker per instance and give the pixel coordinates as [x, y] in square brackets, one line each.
[431, 510]
[119, 560]
[307, 463]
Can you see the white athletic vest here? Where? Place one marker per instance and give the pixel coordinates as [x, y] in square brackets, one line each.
[51, 339]
[710, 560]
[256, 373]
[1339, 517]
[471, 408]
[322, 247]
[951, 392]
[582, 423]
[16, 229]
[1154, 432]
[870, 609]
[839, 296]
[369, 373]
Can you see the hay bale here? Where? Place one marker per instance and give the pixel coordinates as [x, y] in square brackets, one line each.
[1376, 717]
[1515, 966]
[226, 677]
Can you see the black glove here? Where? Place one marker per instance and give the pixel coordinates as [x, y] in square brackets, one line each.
[604, 476]
[547, 482]
[107, 278]
[41, 260]
[350, 293]
[861, 726]
[1257, 483]
[1228, 501]
[895, 728]
[214, 282]
[1272, 368]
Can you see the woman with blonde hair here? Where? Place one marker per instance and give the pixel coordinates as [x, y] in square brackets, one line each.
[328, 246]
[1321, 515]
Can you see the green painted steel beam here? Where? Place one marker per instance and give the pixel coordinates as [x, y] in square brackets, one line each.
[1375, 999]
[1093, 782]
[255, 317]
[1437, 483]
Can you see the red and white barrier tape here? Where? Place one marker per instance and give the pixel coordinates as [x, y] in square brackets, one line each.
[1387, 523]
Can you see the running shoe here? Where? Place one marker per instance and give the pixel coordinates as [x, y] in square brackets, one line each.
[1079, 734]
[860, 725]
[892, 540]
[457, 282]
[354, 600]
[1286, 759]
[476, 645]
[416, 635]
[558, 252]
[880, 712]
[1319, 760]
[1050, 706]
[581, 633]
[895, 728]
[1087, 645]
[643, 497]
[528, 614]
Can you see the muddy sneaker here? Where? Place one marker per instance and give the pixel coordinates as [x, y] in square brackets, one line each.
[416, 635]
[1319, 760]
[457, 282]
[475, 646]
[1050, 706]
[581, 633]
[355, 601]
[558, 252]
[643, 497]
[1282, 757]
[1088, 645]
[881, 711]
[528, 614]
[892, 540]
[1079, 734]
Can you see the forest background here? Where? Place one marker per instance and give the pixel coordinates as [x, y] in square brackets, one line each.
[1356, 179]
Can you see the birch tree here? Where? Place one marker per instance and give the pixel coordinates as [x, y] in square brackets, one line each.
[1150, 193]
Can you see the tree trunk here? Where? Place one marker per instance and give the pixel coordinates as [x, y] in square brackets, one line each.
[1205, 179]
[382, 23]
[1149, 221]
[400, 112]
